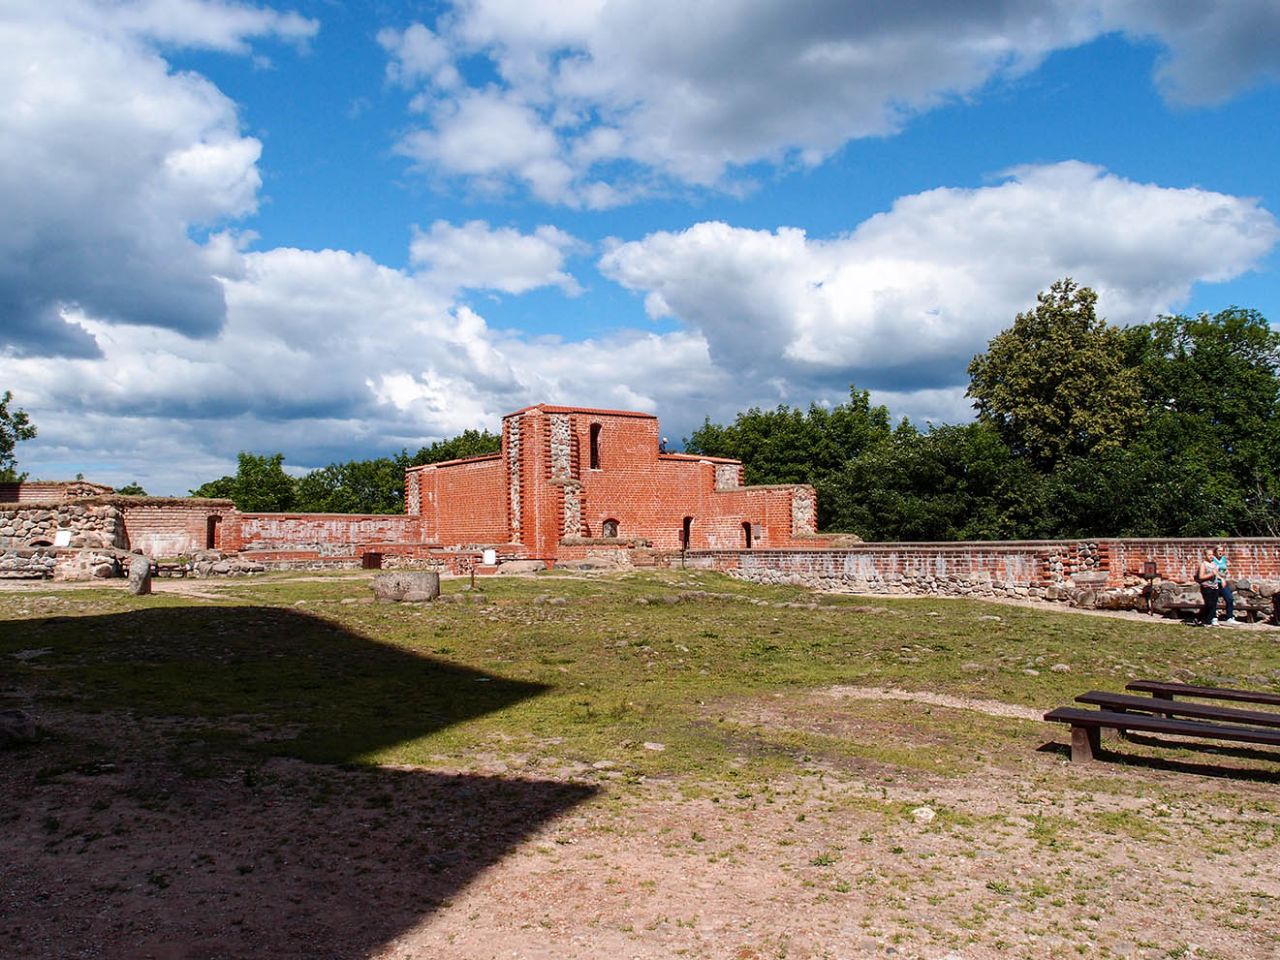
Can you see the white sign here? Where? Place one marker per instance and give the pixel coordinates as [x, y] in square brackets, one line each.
[62, 538]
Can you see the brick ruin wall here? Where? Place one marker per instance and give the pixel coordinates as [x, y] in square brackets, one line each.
[50, 491]
[1032, 570]
[321, 534]
[463, 502]
[647, 494]
[175, 528]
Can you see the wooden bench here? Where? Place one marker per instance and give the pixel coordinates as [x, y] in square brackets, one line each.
[170, 569]
[1120, 703]
[1086, 727]
[1168, 691]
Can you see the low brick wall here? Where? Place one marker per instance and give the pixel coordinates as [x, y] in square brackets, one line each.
[328, 534]
[1036, 570]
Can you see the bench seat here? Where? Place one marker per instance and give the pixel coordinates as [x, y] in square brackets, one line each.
[1120, 703]
[1087, 724]
[1168, 690]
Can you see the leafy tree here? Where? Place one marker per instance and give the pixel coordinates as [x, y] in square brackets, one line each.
[15, 426]
[953, 482]
[224, 488]
[260, 485]
[131, 490]
[1212, 389]
[1059, 382]
[469, 443]
[791, 445]
[358, 486]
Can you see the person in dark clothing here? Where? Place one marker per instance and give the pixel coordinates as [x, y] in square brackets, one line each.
[1207, 577]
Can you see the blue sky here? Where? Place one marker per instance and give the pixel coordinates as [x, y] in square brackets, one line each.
[336, 230]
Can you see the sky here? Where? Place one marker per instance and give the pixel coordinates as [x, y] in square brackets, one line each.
[338, 230]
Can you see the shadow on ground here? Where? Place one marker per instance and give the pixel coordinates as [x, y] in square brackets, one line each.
[196, 791]
[1114, 754]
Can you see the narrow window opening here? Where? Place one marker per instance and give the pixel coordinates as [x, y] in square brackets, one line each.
[609, 528]
[212, 529]
[686, 533]
[746, 533]
[595, 446]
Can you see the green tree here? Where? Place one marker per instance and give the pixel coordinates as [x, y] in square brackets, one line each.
[358, 486]
[469, 443]
[1212, 392]
[1060, 381]
[224, 488]
[260, 485]
[133, 489]
[15, 426]
[953, 482]
[791, 445]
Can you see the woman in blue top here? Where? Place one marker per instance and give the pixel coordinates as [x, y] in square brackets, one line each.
[1220, 561]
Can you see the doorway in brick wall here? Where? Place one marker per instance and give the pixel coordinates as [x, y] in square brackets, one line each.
[213, 533]
[746, 534]
[686, 534]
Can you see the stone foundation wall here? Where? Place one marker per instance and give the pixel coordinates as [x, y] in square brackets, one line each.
[90, 525]
[1053, 571]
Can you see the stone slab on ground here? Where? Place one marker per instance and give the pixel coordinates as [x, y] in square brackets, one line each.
[410, 586]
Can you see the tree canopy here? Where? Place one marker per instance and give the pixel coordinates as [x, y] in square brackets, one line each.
[15, 426]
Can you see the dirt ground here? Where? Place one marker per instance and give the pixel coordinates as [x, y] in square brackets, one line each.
[1167, 854]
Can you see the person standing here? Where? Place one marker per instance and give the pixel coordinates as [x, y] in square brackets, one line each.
[1207, 577]
[1224, 586]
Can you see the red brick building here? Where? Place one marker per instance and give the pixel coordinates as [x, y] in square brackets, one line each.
[569, 479]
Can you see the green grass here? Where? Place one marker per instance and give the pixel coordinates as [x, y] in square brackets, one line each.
[282, 666]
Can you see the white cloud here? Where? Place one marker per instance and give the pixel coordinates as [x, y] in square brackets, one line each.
[913, 292]
[596, 101]
[329, 355]
[1214, 50]
[492, 137]
[477, 257]
[417, 54]
[108, 159]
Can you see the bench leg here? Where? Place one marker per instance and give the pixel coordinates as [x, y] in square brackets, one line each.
[1085, 744]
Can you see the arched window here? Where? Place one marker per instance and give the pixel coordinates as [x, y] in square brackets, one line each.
[746, 533]
[609, 528]
[595, 446]
[686, 533]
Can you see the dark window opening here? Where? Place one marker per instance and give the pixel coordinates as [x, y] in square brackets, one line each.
[212, 531]
[595, 446]
[746, 533]
[686, 533]
[609, 528]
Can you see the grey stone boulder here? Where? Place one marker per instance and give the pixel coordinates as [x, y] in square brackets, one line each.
[589, 564]
[410, 586]
[139, 575]
[511, 567]
[1169, 597]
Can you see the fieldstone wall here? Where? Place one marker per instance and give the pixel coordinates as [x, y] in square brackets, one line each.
[728, 476]
[90, 525]
[804, 511]
[511, 425]
[1093, 573]
[561, 439]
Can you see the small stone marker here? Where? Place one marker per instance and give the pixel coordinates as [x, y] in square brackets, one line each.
[139, 575]
[410, 586]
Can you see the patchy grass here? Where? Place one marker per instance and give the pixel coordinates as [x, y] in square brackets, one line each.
[658, 674]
